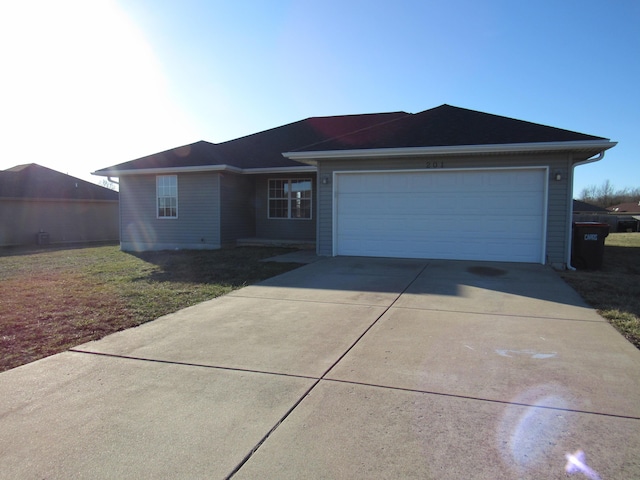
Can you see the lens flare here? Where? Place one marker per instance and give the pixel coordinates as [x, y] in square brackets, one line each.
[531, 426]
[577, 463]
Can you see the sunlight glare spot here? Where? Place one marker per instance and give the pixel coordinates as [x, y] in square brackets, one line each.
[81, 83]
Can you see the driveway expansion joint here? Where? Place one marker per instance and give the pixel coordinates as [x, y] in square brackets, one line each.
[497, 314]
[187, 364]
[479, 399]
[302, 300]
[312, 387]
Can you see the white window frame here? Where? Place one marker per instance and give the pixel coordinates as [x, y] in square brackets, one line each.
[290, 198]
[164, 192]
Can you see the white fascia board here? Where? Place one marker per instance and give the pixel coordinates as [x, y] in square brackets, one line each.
[207, 168]
[596, 145]
[302, 169]
[169, 170]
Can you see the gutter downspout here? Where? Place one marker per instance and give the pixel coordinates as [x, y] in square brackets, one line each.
[600, 156]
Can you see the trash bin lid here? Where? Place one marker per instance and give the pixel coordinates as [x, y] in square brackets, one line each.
[590, 224]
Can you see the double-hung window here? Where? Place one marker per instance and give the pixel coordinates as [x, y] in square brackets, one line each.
[167, 196]
[290, 198]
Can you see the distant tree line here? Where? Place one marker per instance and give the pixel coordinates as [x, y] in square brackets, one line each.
[606, 195]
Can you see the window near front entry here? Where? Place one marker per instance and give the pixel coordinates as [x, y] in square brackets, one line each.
[167, 194]
[290, 198]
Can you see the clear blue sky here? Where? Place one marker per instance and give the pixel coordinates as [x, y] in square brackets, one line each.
[86, 85]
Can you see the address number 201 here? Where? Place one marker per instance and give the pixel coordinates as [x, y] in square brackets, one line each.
[435, 165]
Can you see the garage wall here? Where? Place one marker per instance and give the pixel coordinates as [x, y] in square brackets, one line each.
[557, 219]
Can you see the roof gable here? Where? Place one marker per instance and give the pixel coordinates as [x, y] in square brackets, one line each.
[37, 182]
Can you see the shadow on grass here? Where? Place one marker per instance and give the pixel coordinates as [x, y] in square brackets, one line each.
[234, 267]
[614, 290]
[624, 260]
[17, 250]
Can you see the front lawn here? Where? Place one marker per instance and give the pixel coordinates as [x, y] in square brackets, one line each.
[55, 298]
[615, 290]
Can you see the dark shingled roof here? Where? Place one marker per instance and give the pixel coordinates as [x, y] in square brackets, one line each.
[579, 206]
[441, 126]
[36, 182]
[194, 155]
[259, 150]
[628, 207]
[265, 149]
[449, 126]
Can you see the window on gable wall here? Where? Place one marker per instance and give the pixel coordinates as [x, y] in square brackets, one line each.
[167, 196]
[290, 198]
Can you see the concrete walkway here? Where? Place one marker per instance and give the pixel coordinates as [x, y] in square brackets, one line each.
[344, 368]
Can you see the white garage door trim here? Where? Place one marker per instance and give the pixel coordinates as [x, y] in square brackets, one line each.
[542, 173]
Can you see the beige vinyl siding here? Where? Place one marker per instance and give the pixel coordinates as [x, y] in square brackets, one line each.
[196, 227]
[282, 228]
[237, 207]
[557, 222]
[66, 221]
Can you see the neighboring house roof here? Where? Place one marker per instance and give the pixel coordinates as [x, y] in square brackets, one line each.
[281, 147]
[32, 181]
[628, 207]
[579, 206]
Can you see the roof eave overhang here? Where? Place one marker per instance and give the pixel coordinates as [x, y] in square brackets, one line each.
[268, 170]
[585, 148]
[166, 170]
[204, 168]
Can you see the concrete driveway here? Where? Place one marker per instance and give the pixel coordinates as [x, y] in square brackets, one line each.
[345, 368]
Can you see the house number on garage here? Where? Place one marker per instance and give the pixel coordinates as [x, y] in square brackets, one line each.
[435, 165]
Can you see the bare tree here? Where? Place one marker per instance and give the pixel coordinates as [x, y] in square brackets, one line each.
[588, 194]
[606, 195]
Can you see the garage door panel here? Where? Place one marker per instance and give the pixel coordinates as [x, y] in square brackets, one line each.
[474, 215]
[452, 203]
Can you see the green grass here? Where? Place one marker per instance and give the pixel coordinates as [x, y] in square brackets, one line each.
[615, 289]
[56, 298]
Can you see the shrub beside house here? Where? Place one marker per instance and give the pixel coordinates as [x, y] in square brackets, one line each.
[40, 205]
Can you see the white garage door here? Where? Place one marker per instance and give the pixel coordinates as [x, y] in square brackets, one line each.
[492, 214]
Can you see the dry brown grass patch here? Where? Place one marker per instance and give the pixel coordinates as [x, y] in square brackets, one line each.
[615, 290]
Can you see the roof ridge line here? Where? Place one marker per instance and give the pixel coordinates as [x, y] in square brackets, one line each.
[406, 115]
[305, 120]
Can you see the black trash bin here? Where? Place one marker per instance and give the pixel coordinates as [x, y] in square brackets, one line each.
[587, 249]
